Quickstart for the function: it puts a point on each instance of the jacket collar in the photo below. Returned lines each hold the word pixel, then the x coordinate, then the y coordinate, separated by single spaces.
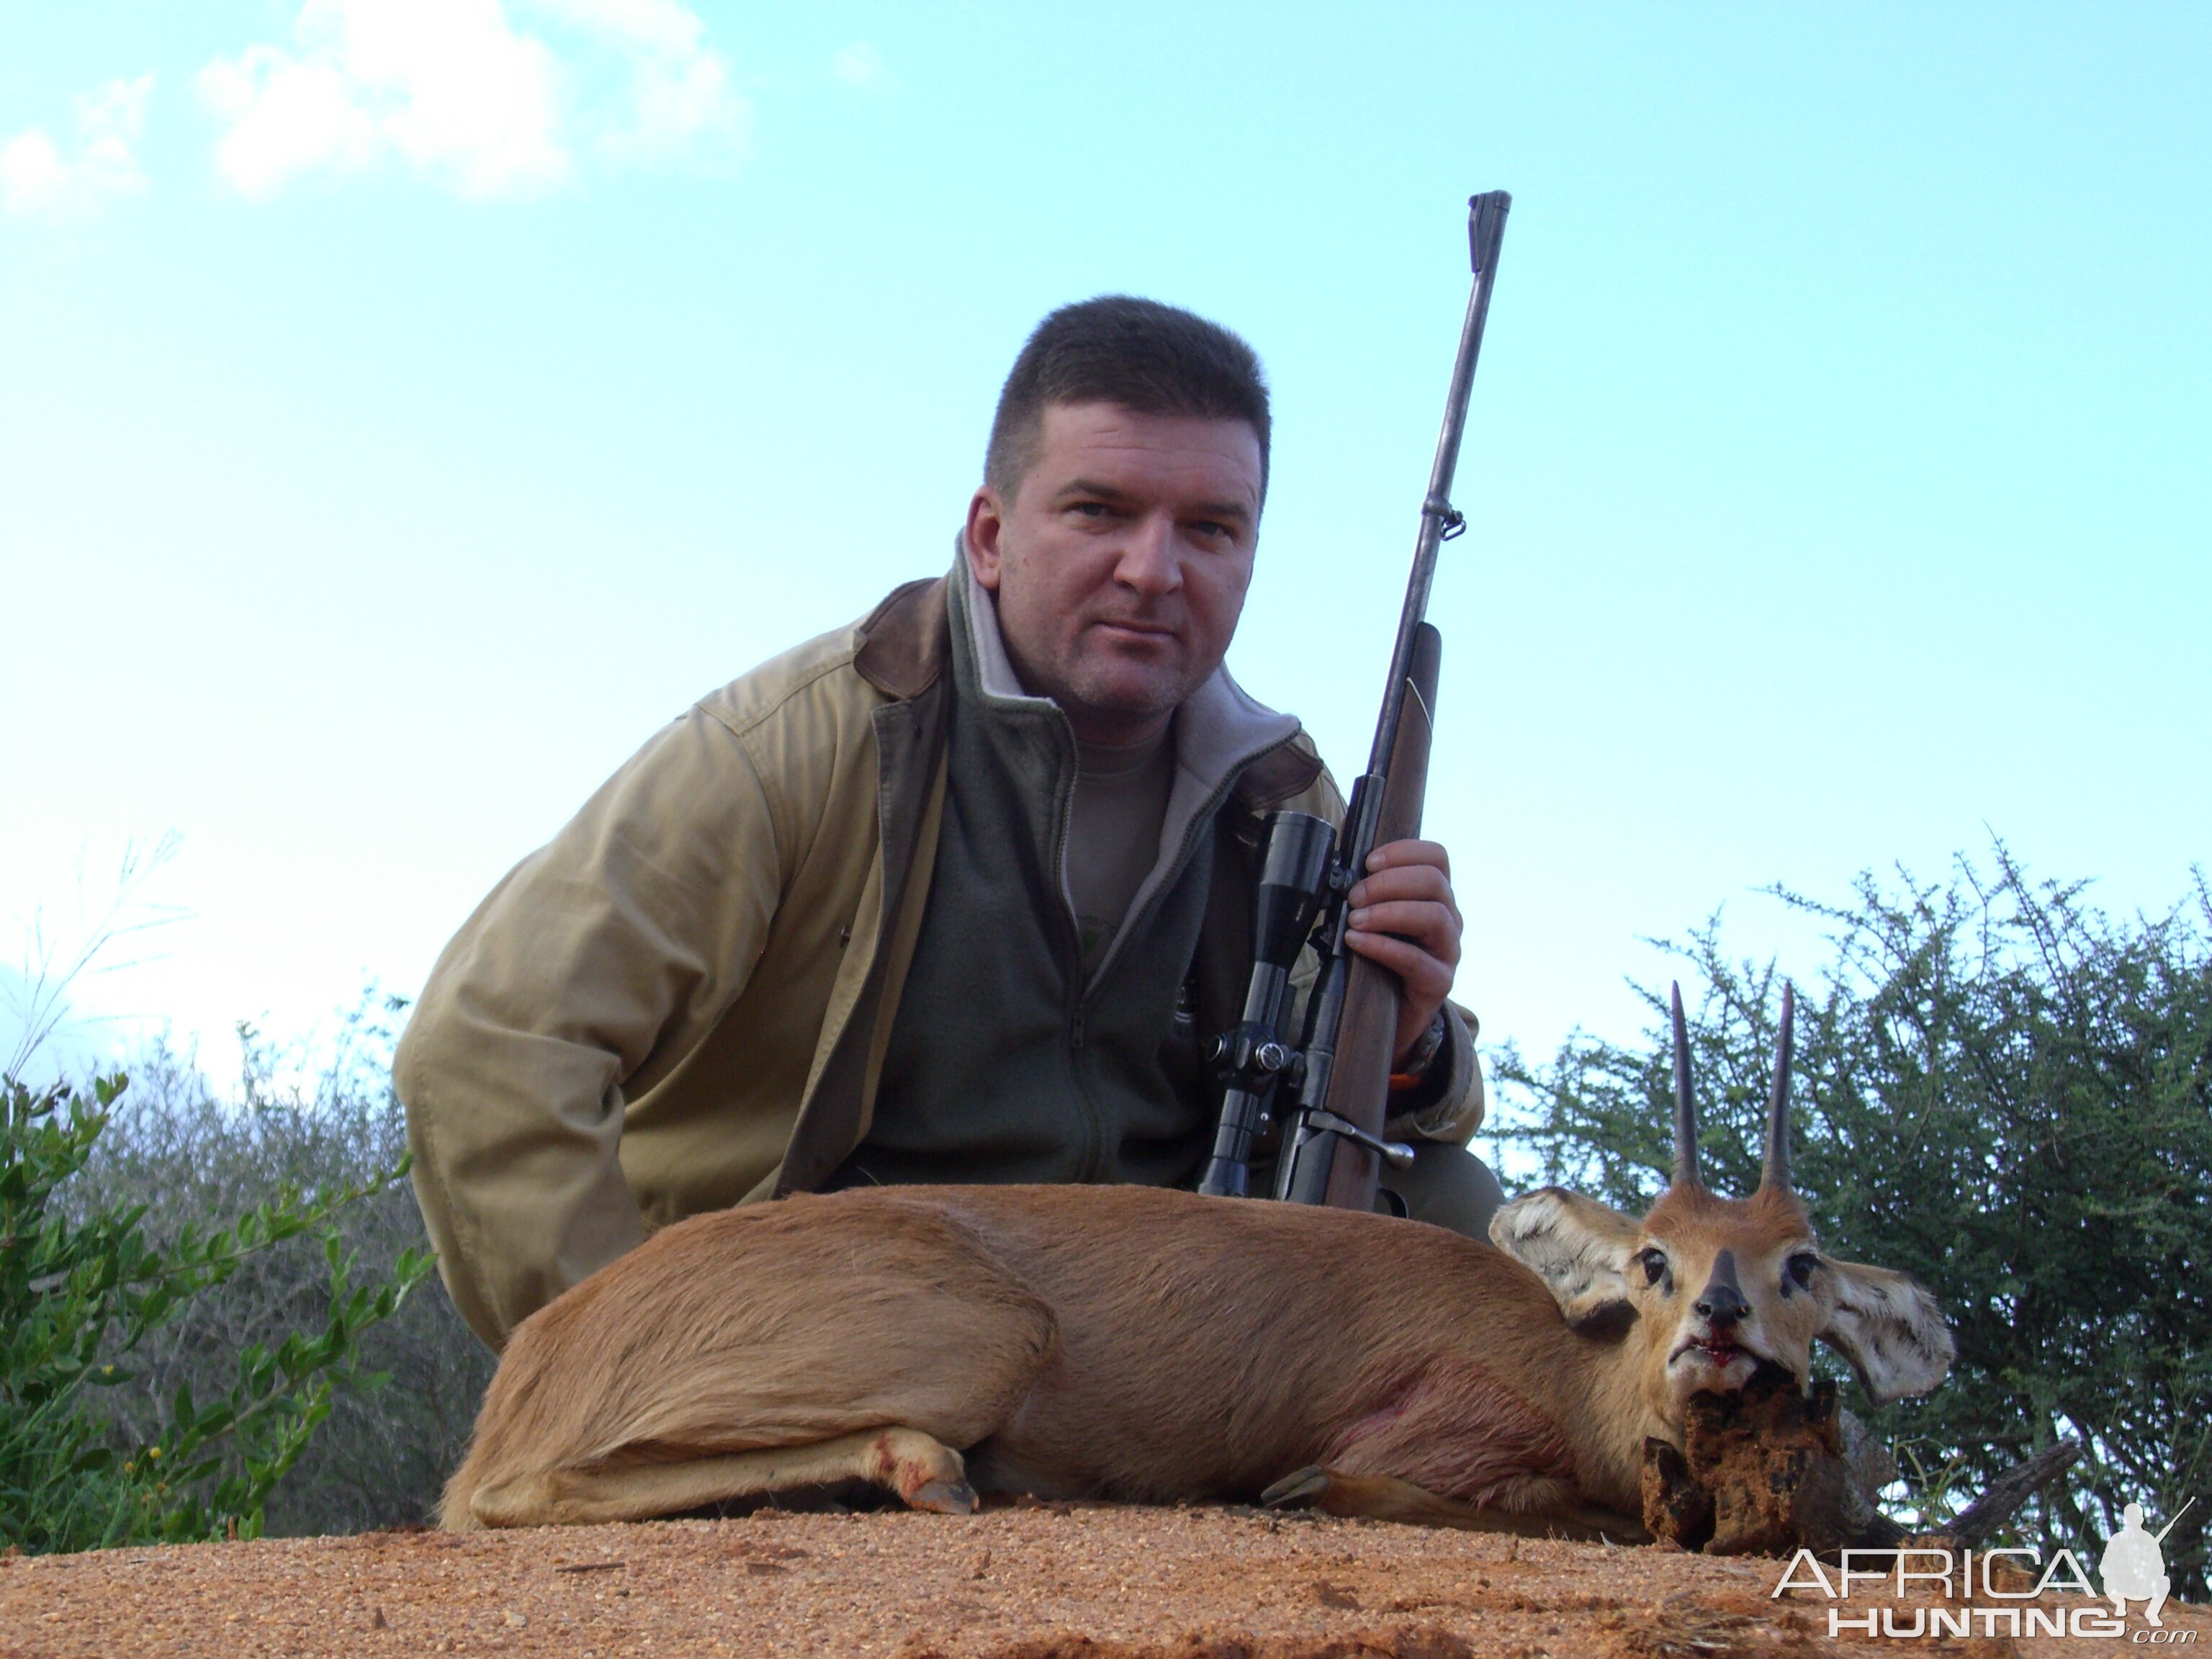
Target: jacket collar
pixel 904 640
pixel 1278 774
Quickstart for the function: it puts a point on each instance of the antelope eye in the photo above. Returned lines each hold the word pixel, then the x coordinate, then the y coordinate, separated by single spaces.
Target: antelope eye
pixel 1654 1263
pixel 1802 1267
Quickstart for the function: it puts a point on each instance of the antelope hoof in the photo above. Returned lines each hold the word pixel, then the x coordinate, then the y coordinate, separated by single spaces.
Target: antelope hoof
pixel 950 1497
pixel 1307 1485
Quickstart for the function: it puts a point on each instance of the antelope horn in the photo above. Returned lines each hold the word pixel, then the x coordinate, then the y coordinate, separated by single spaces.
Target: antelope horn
pixel 1686 1108
pixel 1775 1171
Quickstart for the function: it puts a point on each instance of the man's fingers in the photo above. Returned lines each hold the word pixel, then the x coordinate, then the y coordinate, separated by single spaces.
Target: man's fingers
pixel 1410 881
pixel 1397 854
pixel 1435 928
pixel 1427 979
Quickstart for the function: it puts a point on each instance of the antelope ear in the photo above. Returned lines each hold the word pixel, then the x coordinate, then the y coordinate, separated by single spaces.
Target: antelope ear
pixel 1890 1329
pixel 1579 1248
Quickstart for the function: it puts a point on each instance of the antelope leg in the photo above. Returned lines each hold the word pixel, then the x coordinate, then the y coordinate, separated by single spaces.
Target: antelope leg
pixel 925 1473
pixel 1386 1497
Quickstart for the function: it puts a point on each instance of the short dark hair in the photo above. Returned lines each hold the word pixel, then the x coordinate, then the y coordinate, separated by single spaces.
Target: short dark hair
pixel 1146 357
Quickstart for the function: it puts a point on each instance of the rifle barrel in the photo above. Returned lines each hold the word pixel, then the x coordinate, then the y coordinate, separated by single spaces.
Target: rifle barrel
pixel 1486 231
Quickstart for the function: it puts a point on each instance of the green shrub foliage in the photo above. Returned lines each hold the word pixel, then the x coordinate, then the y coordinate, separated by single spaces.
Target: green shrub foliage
pixel 186 1149
pixel 2006 1094
pixel 83 1289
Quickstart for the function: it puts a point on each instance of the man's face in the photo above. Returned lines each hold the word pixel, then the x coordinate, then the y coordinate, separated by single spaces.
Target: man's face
pixel 1120 565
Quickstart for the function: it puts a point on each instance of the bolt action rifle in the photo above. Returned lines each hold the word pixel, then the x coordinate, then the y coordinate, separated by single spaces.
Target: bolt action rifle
pixel 1337 1076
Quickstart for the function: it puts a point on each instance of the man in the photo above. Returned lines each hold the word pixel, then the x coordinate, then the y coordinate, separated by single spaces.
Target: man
pixel 2134 1568
pixel 953 894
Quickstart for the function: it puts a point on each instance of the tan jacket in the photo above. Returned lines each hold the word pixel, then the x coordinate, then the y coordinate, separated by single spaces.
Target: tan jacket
pixel 682 1002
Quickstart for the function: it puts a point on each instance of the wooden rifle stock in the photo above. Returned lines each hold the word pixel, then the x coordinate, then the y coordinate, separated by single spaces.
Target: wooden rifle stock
pixel 1359 1086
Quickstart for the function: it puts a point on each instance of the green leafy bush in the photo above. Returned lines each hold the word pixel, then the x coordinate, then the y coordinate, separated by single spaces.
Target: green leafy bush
pixel 2005 1094
pixel 302 1114
pixel 84 1289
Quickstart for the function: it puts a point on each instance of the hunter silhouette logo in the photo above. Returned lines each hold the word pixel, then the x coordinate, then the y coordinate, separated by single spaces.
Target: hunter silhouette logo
pixel 2134 1567
pixel 1975 1594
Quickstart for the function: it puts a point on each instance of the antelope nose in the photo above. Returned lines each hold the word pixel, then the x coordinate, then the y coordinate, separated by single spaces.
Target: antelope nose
pixel 1722 1304
pixel 1721 1300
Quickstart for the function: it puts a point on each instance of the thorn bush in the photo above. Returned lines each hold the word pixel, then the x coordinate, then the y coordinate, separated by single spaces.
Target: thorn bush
pixel 2004 1093
pixel 83 1291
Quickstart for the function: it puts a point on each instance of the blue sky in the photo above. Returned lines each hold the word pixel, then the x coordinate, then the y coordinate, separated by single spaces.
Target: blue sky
pixel 406 408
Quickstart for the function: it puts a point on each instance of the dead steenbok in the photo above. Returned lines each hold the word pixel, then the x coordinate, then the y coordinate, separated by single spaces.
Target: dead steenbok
pixel 1137 1343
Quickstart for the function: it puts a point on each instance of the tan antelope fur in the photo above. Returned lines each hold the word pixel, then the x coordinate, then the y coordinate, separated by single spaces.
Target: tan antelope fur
pixel 1152 1345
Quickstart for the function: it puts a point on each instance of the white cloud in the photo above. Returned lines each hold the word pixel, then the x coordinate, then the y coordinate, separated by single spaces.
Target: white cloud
pixel 858 65
pixel 446 86
pixel 678 97
pixel 35 177
pixel 666 26
pixel 460 94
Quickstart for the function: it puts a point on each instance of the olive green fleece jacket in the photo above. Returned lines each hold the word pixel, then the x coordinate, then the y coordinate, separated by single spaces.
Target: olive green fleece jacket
pixel 683 1002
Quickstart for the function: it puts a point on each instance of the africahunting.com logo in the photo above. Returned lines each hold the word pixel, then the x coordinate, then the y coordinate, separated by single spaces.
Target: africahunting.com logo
pixel 1980 1590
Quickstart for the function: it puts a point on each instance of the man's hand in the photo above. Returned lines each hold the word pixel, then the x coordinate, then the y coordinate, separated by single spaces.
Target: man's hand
pixel 1404 918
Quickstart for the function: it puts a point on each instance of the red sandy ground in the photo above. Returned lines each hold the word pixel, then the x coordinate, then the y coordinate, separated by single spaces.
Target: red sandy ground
pixel 1091 1582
